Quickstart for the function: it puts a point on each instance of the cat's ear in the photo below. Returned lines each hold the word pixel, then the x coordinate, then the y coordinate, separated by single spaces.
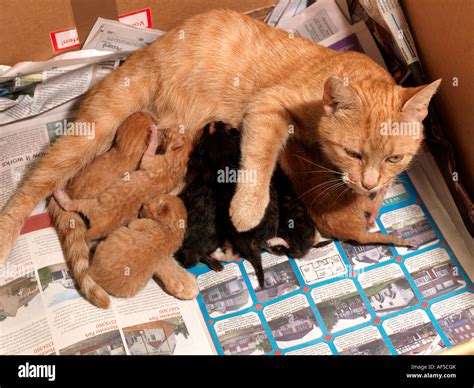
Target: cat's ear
pixel 418 100
pixel 338 96
pixel 178 143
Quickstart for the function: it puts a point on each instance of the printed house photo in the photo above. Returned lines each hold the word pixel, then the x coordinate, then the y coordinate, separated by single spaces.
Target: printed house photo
pixel 458 327
pixel 109 343
pixel 16 295
pixel 377 347
pixel 155 338
pixel 418 230
pixel 438 280
pixel 422 339
pixel 365 255
pixel 58 284
pixel 322 268
pixel 343 312
pixel 227 297
pixel 280 279
pixel 296 328
pixel 390 297
pixel 251 340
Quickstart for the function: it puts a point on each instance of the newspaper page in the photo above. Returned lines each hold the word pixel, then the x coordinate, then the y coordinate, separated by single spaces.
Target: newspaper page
pixel 41 309
pixel 111 35
pixel 31 88
pixel 317 22
pixel 325 24
pixel 286 9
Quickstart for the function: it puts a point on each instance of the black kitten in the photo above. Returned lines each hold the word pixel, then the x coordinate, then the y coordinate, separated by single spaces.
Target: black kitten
pixel 225 152
pixel 295 224
pixel 199 197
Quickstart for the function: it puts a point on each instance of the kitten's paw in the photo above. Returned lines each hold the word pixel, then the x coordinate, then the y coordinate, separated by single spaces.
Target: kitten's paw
pixel 277 241
pixel 248 208
pixel 9 230
pixel 180 283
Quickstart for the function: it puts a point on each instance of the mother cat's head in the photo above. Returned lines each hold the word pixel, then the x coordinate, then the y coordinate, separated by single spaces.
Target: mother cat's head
pixel 371 130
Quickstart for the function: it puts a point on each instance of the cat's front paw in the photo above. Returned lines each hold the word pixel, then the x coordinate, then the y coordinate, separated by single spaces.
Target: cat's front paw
pixel 9 229
pixel 180 283
pixel 248 208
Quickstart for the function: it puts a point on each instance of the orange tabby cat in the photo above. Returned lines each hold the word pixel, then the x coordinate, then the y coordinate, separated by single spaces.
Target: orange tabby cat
pixel 127 259
pixel 338 211
pixel 225 66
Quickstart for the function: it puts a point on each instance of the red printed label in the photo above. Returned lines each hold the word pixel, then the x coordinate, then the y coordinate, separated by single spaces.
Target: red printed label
pixel 64 39
pixel 139 19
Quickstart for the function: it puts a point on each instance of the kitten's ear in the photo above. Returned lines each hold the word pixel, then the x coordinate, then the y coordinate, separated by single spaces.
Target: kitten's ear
pixel 339 96
pixel 178 143
pixel 418 99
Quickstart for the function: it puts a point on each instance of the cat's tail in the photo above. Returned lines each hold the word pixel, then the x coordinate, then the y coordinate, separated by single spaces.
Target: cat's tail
pixel 379 238
pixel 125 91
pixel 71 229
pixel 256 262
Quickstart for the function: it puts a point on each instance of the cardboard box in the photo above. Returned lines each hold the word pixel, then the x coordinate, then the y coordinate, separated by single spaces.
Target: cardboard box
pixel 444 34
pixel 32 30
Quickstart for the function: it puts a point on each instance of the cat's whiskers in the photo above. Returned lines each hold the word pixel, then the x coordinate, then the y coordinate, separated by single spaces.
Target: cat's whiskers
pixel 321 196
pixel 318 165
pixel 329 182
pixel 327 190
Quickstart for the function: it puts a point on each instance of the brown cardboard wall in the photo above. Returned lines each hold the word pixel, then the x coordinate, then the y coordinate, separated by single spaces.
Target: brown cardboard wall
pixel 444 34
pixel 25 27
pixel 168 13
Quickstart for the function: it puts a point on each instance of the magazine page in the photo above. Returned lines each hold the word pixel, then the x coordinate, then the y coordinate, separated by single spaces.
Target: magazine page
pixel 348 299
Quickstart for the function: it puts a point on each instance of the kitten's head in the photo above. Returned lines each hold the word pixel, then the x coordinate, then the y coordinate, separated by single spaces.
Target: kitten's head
pixel 167 209
pixel 370 131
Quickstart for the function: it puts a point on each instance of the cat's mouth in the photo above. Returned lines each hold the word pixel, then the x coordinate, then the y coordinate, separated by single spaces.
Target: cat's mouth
pixel 357 187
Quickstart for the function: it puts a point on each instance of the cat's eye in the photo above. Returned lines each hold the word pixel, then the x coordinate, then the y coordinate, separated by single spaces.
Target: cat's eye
pixel 394 158
pixel 353 154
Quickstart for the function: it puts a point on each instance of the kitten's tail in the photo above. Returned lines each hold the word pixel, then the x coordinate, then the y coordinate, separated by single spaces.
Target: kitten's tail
pixel 379 238
pixel 71 229
pixel 256 262
pixel 125 91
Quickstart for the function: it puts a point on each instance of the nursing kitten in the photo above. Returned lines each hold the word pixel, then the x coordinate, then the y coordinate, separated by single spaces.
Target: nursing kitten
pixel 120 202
pixel 199 197
pixel 128 258
pixel 224 149
pixel 295 227
pixel 338 211
pixel 123 157
pixel 278 85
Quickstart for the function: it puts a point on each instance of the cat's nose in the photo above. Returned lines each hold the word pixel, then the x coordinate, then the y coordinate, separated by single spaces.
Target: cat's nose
pixel 369 185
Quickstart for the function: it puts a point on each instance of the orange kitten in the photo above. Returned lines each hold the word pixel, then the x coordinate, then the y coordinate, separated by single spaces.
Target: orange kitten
pixel 191 76
pixel 338 211
pixel 127 259
pixel 123 157
pixel 120 203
